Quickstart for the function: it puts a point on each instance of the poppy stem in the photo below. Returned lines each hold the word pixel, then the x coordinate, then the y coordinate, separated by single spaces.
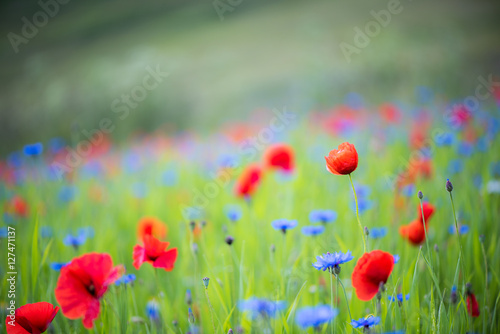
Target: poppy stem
pixel 462 262
pixel 425 232
pixel 357 214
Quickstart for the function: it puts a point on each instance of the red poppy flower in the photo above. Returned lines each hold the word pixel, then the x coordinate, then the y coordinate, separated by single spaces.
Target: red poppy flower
pixel 249 180
pixel 82 284
pixel 472 305
pixel 342 161
pixel 151 226
pixel 279 156
pixel 414 232
pixel 154 252
pixel 372 269
pixel 428 211
pixel 19 206
pixel 390 112
pixel 31 318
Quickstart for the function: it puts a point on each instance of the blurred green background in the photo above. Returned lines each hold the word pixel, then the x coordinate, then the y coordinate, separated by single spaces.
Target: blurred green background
pixel 261 54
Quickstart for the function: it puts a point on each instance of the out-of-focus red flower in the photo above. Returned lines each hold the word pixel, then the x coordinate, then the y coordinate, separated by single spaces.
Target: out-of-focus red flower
pixel 249 180
pixel 372 269
pixel 472 305
pixel 154 252
pixel 31 318
pixel 418 136
pixel 342 161
pixel 279 156
pixel 19 206
pixel 151 226
pixel 414 232
pixel 390 113
pixel 82 284
pixel 460 115
pixel 428 211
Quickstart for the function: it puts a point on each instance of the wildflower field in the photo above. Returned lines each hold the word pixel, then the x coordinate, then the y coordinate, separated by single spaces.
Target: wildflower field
pixel 341 220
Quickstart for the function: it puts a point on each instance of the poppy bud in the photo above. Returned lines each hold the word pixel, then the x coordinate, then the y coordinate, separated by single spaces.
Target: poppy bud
pixel 420 195
pixel 229 240
pixel 449 186
pixel 367 231
pixel 175 323
pixel 189 298
pixel 192 225
pixel 381 287
pixel 468 288
pixel 481 238
pixel 206 280
pixel 436 248
pixel 194 247
pixel 230 331
pixel 203 223
pixel 273 248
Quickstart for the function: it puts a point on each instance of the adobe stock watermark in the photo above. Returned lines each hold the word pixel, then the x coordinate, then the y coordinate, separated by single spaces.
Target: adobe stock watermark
pixel 95 137
pixel 30 28
pixel 363 37
pixel 483 91
pixel 247 150
pixel 222 6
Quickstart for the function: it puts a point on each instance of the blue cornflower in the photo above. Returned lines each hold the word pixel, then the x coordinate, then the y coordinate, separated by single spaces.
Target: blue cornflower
pixel 362 191
pixel 322 216
pixel 67 193
pixel 399 297
pixel 378 232
pixel 332 261
pixel 46 231
pixel 315 316
pixel 408 190
pixel 482 144
pixel 4 232
pixel 284 224
pixel 15 159
pixel 153 310
pixel 365 322
pixel 261 307
pixel 313 230
pixel 56 144
pixel 363 205
pixel 58 265
pixel 396 258
pixel 227 161
pixel 125 279
pixel 80 238
pixel 445 139
pixel 233 212
pixel 456 166
pixel 33 149
pixel 465 149
pixel 462 228
pixel 478 181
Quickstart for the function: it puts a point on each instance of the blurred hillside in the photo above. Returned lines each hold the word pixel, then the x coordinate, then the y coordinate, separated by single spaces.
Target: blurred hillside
pixel 69 75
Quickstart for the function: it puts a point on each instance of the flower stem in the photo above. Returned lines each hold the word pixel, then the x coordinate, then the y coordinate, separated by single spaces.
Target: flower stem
pixel 211 309
pixel 345 295
pixel 425 231
pixel 462 262
pixel 331 297
pixel 357 214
